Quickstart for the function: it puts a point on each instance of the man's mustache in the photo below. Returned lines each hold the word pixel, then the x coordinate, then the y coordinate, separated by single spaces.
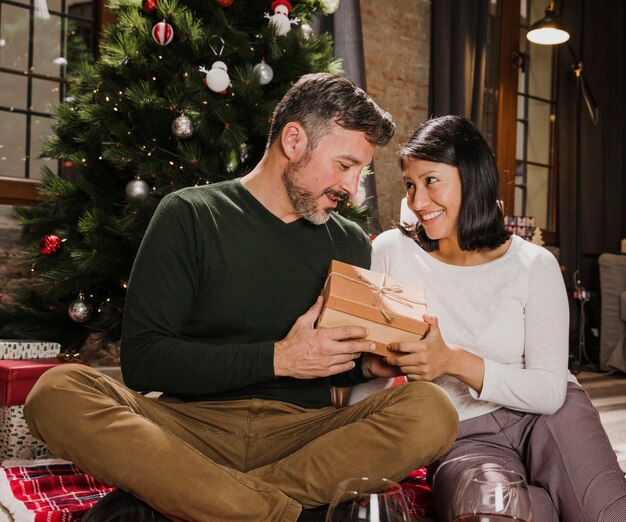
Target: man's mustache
pixel 337 194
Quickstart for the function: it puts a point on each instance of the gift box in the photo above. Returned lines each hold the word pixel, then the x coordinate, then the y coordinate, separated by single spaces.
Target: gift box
pixel 391 309
pixel 16 442
pixel 17 377
pixel 18 349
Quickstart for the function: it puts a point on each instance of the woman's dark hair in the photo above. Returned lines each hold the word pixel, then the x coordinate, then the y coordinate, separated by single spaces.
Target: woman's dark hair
pixel 456 141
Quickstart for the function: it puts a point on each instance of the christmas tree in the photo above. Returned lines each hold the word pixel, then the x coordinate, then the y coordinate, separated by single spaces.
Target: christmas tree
pixel 181 95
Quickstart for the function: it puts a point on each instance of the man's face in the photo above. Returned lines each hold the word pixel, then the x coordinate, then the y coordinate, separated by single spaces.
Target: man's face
pixel 327 174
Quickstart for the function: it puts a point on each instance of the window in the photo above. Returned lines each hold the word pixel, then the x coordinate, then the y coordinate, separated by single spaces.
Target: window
pixel 36 56
pixel 526 130
pixel 535 175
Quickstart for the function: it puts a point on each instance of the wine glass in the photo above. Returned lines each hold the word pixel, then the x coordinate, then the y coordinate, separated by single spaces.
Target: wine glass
pixel 490 493
pixel 368 500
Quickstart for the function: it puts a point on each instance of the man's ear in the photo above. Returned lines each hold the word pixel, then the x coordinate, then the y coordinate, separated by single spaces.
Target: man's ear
pixel 294 141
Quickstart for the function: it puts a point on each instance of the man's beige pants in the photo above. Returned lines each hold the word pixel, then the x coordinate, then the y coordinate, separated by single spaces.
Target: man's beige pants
pixel 245 460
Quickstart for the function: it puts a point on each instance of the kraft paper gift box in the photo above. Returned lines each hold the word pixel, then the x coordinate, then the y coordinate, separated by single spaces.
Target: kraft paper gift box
pixel 391 309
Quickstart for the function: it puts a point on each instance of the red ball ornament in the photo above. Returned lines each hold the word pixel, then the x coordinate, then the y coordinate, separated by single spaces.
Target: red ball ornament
pixel 149 6
pixel 224 3
pixel 162 33
pixel 50 245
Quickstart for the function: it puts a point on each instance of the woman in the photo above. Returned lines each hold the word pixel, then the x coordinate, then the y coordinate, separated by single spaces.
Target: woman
pixel 498 339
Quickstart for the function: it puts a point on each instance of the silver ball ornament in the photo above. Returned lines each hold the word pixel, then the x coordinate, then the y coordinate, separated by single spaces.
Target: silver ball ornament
pixel 79 310
pixel 137 190
pixel 265 73
pixel 182 127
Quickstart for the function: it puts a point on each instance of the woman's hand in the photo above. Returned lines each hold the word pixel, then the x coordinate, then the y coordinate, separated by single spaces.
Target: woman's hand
pixel 431 357
pixel 374 365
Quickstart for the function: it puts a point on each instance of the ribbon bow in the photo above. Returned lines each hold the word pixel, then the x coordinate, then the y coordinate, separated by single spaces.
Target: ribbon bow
pixel 382 290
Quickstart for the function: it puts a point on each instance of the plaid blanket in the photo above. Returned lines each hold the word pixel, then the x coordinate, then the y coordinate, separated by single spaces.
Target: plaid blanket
pixel 55 490
pixel 47 490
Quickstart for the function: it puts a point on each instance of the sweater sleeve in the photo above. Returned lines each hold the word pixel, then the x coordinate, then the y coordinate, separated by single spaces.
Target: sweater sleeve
pixel 541 385
pixel 156 354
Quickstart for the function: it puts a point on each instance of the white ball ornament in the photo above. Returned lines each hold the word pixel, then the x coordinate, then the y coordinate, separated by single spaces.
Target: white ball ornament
pixel 162 33
pixel 217 78
pixel 137 190
pixel 265 72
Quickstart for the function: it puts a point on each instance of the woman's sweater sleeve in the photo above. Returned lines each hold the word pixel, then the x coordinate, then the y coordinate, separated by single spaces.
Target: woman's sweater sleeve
pixel 541 385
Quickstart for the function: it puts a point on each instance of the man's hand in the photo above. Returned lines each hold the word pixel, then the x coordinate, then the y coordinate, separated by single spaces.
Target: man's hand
pixel 307 352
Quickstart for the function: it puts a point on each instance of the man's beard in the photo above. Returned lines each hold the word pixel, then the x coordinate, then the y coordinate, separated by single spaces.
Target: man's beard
pixel 304 202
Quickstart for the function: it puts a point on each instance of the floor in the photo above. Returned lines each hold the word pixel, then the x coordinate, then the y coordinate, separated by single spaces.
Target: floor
pixel 608 394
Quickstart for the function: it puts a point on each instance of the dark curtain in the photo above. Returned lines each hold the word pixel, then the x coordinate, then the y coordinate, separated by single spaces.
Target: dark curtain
pixel 597 38
pixel 345 27
pixel 458 58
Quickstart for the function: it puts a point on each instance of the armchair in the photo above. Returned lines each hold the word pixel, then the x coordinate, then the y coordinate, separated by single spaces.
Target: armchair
pixel 613 312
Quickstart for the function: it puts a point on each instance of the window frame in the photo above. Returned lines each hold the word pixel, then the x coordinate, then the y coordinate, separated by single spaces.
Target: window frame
pixel 510 55
pixel 23 191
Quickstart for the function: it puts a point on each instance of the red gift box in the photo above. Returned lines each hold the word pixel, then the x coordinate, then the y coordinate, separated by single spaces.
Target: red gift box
pixel 18 376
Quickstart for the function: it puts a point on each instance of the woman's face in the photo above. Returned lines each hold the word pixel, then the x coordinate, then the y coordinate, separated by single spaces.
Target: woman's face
pixel 433 193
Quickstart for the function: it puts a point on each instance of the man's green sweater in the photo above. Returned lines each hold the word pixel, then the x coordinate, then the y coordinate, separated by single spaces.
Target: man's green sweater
pixel 218 279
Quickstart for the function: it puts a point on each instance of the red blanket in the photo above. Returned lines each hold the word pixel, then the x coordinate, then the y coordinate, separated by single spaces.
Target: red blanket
pixel 47 490
pixel 57 491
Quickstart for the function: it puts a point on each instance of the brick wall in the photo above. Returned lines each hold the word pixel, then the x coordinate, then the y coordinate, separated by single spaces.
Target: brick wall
pixel 396 38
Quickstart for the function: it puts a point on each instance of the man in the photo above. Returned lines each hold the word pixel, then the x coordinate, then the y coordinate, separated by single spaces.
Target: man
pixel 220 317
